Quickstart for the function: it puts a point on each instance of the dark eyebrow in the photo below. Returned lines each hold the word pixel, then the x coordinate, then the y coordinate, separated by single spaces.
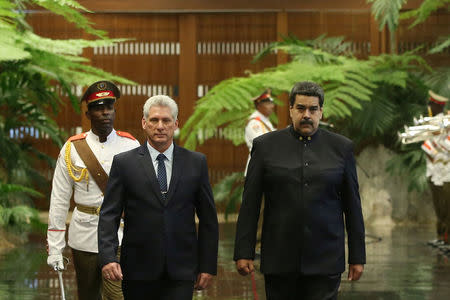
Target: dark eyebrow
pixel 304 106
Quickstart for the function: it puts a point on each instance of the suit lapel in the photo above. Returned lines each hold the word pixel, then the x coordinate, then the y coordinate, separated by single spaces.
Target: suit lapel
pixel 177 166
pixel 146 162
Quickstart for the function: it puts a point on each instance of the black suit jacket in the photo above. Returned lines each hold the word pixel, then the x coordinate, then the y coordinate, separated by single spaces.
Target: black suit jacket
pixel 308 186
pixel 159 238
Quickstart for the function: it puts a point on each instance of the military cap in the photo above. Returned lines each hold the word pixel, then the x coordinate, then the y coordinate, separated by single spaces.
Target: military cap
pixel 101 92
pixel 438 99
pixel 264 97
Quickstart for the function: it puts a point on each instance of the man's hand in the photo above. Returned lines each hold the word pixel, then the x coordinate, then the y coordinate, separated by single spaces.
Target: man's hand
pixel 203 281
pixel 355 272
pixel 56 262
pixel 245 266
pixel 112 271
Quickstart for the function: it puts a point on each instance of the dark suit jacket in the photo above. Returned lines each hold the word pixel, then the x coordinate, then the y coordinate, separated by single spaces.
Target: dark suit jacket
pixel 159 238
pixel 308 186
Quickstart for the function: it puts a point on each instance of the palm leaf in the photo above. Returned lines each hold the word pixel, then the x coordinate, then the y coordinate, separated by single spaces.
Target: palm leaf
pixel 386 12
pixel 347 82
pixel 424 11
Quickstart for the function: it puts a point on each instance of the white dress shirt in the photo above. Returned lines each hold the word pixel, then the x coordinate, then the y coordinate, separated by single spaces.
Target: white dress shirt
pixel 168 162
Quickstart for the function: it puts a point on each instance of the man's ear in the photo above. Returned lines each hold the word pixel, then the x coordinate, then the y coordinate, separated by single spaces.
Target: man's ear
pixel 87 114
pixel 144 123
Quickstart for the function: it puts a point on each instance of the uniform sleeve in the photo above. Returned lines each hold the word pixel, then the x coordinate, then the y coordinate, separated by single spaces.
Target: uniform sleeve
pixel 208 229
pixel 251 204
pixel 62 189
pixel 353 213
pixel 253 129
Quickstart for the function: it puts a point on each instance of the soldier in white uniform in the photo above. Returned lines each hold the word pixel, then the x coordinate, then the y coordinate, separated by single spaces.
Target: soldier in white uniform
pixel 258 122
pixel 81 170
pixel 438 171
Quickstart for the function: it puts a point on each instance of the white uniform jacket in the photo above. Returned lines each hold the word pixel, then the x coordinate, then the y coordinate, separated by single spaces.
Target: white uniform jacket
pixel 83 226
pixel 257 125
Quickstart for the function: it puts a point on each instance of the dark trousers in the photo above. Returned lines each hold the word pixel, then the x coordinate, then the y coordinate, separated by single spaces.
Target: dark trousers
pixel 88 273
pixel 441 203
pixel 295 286
pixel 161 289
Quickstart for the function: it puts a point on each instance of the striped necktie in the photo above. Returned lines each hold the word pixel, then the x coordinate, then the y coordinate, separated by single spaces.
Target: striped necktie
pixel 162 176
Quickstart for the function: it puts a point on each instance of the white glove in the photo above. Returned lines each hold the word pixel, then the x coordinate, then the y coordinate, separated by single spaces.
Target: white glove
pixel 55 261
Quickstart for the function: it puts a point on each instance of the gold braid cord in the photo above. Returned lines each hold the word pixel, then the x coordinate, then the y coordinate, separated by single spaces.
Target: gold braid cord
pixel 84 171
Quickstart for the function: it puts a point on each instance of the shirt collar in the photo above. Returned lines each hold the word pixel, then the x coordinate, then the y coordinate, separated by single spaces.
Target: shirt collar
pixel 298 136
pixel 154 153
pixel 95 137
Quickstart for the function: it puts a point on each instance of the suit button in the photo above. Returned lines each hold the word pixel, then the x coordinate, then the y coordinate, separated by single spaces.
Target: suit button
pixel 306 184
pixel 306 164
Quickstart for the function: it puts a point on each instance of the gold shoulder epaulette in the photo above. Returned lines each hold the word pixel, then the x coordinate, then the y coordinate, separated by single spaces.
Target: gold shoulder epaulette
pixel 125 134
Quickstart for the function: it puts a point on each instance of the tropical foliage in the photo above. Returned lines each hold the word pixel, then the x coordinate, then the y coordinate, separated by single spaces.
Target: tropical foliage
pixel 348 83
pixel 30 68
pixel 386 12
pixel 228 192
pixel 422 13
pixel 369 100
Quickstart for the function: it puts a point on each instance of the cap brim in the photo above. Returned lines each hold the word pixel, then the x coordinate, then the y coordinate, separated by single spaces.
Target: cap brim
pixel 102 101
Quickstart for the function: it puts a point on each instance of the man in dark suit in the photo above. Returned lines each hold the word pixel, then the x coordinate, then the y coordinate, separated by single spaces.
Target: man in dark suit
pixel 308 178
pixel 159 187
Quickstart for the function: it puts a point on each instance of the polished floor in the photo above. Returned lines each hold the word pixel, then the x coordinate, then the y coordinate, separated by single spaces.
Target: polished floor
pixel 399 266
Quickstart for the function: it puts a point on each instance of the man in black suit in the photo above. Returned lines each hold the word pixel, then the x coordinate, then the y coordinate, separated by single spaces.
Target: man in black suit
pixel 159 187
pixel 308 178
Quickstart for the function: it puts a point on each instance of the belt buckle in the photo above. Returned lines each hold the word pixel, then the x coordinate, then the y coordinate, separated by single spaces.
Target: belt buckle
pixel 97 210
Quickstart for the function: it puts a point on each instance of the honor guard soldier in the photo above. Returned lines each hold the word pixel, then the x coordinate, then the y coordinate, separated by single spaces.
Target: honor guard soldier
pixel 82 169
pixel 258 122
pixel 438 172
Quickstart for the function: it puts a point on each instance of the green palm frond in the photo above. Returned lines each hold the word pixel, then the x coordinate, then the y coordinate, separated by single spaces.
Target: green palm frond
pixel 8 189
pixel 439 81
pixel 66 47
pixel 424 11
pixel 58 59
pixel 69 69
pixel 295 47
pixel 386 12
pixel 228 192
pixel 347 81
pixel 69 9
pixel 19 218
pixel 376 116
pixel 410 162
pixel 443 42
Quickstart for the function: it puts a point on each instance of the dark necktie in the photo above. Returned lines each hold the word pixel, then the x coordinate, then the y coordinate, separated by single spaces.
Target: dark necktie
pixel 162 176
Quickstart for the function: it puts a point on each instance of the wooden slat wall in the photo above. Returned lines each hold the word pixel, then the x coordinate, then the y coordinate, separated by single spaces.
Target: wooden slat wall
pixel 151 59
pixel 185 54
pixel 226 45
pixel 425 35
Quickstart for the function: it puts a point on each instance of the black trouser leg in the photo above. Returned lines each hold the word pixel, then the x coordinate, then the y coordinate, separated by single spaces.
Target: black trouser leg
pixel 294 286
pixel 162 289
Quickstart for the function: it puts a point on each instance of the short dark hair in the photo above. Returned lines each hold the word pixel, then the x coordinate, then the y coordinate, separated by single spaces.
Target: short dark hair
pixel 306 88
